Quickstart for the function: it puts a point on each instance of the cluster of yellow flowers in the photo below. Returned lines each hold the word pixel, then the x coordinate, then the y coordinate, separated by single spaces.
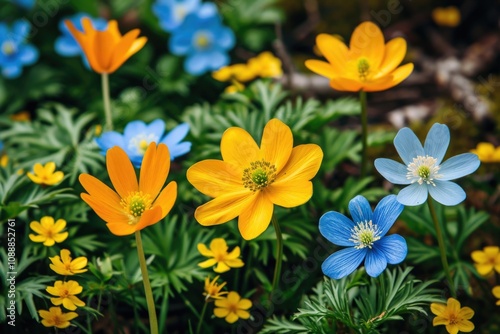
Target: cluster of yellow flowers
pixel 265 65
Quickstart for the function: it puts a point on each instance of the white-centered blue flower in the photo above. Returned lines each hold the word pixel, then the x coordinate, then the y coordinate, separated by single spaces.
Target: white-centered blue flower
pixel 15 53
pixel 171 13
pixel 365 237
pixel 137 136
pixel 423 170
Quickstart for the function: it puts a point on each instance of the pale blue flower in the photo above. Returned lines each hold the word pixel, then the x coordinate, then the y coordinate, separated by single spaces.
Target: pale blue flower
pixel 14 51
pixel 137 136
pixel 365 237
pixel 423 170
pixel 171 13
pixel 26 4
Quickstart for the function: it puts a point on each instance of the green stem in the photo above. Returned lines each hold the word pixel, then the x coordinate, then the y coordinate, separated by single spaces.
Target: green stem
pixel 279 253
pixel 201 317
pixel 106 100
pixel 442 249
pixel 364 132
pixel 153 322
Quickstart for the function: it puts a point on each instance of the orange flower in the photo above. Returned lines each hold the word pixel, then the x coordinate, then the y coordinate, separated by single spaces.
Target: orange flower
pixel 134 205
pixel 106 50
pixel 369 64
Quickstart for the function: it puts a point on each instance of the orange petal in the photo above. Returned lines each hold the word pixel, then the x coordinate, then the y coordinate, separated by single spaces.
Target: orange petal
pixel 149 217
pixel 320 67
pixel 136 46
pixel 89 45
pixel 167 198
pixel 345 85
pixel 398 75
pixel 288 194
pixel 103 48
pixel 238 148
pixel 277 143
pixel 367 41
pixel 223 208
pixel 395 51
pixel 255 218
pixel 154 169
pixel 120 50
pixel 121 172
pixel 215 177
pixel 100 191
pixel 334 50
pixel 112 29
pixel 106 212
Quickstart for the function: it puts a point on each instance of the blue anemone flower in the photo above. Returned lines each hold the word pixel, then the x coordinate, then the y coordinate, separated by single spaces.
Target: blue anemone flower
pixel 203 39
pixel 14 52
pixel 423 170
pixel 137 136
pixel 171 13
pixel 66 45
pixel 26 4
pixel 364 236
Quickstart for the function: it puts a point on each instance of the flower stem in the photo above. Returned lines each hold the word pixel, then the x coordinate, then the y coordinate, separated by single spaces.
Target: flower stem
pixel 106 100
pixel 442 249
pixel 201 317
pixel 279 253
pixel 153 322
pixel 364 132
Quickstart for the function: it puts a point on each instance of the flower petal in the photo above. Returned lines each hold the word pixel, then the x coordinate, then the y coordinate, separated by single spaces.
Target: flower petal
pixel 167 198
pixel 277 143
pixel 367 41
pixel 221 312
pixel 203 249
pixel 148 218
pixel 437 142
pixel 466 313
pixel 289 195
pixel 99 191
pixel 121 171
pixel 438 308
pixel 447 192
pixel 440 321
pixel 223 208
pixel 344 84
pixel 37 238
pixel 408 145
pixel 337 228
pixel 394 54
pixel 343 262
pixel 392 171
pixel 255 217
pixel 231 318
pixel 176 135
pixel 154 169
pixel 243 314
pixel 244 304
pixel 387 82
pixel 465 326
pixel 334 50
pixel 393 247
pixel 386 213
pixel 320 67
pixel 375 262
pixel 360 209
pixel 238 148
pixel 208 263
pixel 303 164
pixel 59 225
pixel 221 268
pixel 120 50
pixel 37 227
pixel 458 166
pixel 105 212
pixel 414 194
pixel 215 177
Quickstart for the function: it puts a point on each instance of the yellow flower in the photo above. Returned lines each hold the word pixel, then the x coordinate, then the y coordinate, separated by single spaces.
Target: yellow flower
pixel 446 16
pixel 232 307
pixel 55 318
pixel 48 232
pixel 452 316
pixel 368 65
pixel 496 293
pixel 212 289
pixel 98 130
pixel 219 255
pixel 65 292
pixel 234 88
pixel 486 152
pixel 64 265
pixel 45 175
pixel 236 72
pixel 266 65
pixel 135 205
pixel 21 116
pixel 4 160
pixel 487 260
pixel 249 181
pixel 106 50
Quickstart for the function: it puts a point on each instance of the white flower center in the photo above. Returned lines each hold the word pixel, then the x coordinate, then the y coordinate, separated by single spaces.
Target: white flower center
pixel 364 234
pixel 423 169
pixel 202 40
pixel 8 48
pixel 141 142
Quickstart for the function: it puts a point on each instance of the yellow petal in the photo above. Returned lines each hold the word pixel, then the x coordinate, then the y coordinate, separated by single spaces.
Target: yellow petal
pixel 59 225
pixel 167 198
pixel 452 329
pixel 37 227
pixel 322 68
pixel 334 50
pixel 221 267
pixel 154 169
pixel 68 304
pixel 37 238
pixel 398 75
pixel 244 304
pixel 440 321
pixel 367 41
pixel 60 237
pixel 496 291
pixel 99 191
pixel 453 305
pixel 121 172
pixel 49 242
pixel 466 313
pixel 136 46
pixel 207 263
pixel 235 253
pixel 303 164
pixel 288 194
pixel 277 143
pixel 223 208
pixel 215 177
pixel 221 312
pixel 47 222
pixel 465 326
pixel 218 245
pixel 50 167
pixel 484 269
pixel 79 263
pixel 204 250
pixel 38 169
pixel 231 318
pixel 234 263
pixel 55 178
pixel 438 308
pixel 256 216
pixel 243 314
pixel 395 51
pixel 238 148
pixel 479 256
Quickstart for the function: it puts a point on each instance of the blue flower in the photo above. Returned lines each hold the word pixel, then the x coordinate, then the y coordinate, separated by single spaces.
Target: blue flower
pixel 423 170
pixel 66 45
pixel 137 136
pixel 364 236
pixel 14 52
pixel 171 13
pixel 26 4
pixel 203 39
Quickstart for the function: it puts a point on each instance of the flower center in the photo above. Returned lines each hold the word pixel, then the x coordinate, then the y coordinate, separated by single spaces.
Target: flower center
pixel 135 204
pixel 423 169
pixel 364 234
pixel 8 48
pixel 363 69
pixel 180 12
pixel 58 321
pixel 453 319
pixel 141 142
pixel 202 40
pixel 259 175
pixel 233 308
pixel 65 293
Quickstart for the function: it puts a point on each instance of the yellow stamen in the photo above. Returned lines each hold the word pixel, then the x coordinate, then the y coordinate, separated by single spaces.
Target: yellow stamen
pixel 363 69
pixel 259 175
pixel 135 204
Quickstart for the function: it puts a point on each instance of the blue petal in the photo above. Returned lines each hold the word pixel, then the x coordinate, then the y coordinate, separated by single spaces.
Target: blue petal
pixel 28 54
pixel 67 47
pixel 447 192
pixel 414 194
pixel 375 262
pixel 393 171
pixel 386 213
pixel 176 135
pixel 133 129
pixel 207 10
pixel 20 30
pixel 197 64
pixel 343 262
pixel 110 139
pixel 393 247
pixel 181 41
pixel 458 166
pixel 157 127
pixel 225 38
pixel 217 60
pixel 408 145
pixel 177 150
pixel 336 228
pixel 437 142
pixel 360 209
pixel 12 71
